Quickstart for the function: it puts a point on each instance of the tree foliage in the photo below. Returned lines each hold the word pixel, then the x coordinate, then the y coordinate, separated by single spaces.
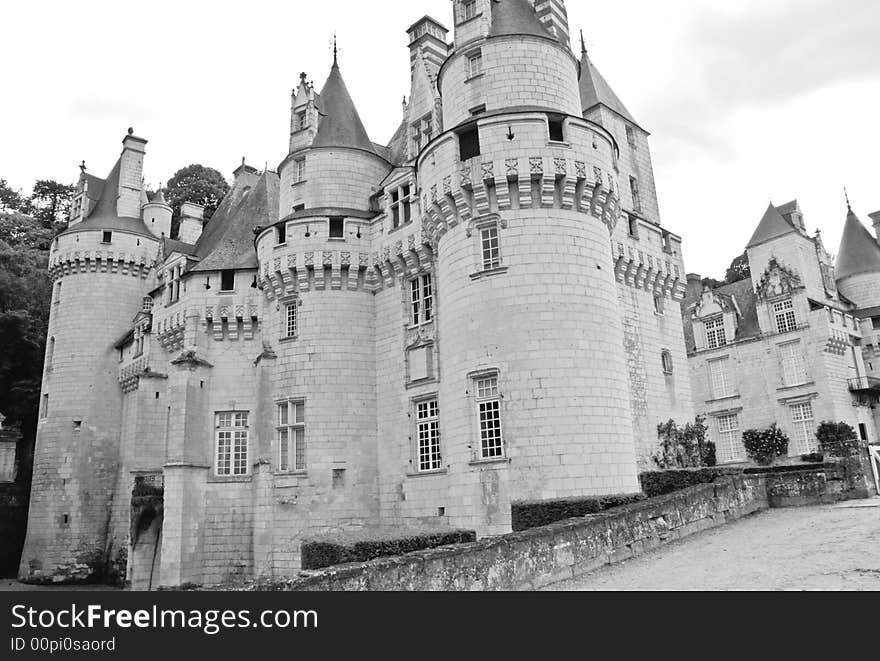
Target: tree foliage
pixel 739 269
pixel 764 445
pixel 50 201
pixel 10 200
pixel 198 184
pixel 837 439
pixel 684 447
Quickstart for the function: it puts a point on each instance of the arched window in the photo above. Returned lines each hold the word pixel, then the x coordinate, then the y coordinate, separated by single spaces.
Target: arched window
pixel 666 358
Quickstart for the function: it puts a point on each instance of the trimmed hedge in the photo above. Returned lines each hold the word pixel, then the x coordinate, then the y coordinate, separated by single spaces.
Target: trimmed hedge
pixel 326 552
pixel 785 468
pixel 533 514
pixel 660 483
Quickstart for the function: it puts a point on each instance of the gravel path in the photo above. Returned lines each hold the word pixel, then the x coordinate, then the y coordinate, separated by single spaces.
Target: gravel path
pixel 815 548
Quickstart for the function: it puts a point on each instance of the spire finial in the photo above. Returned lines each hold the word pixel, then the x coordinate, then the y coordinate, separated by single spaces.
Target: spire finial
pixel 846 195
pixel 82 166
pixel 583 44
pixel 335 51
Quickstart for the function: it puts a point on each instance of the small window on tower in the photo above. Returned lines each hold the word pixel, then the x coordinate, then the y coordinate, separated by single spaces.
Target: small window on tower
pixel 469 144
pixel 107 237
pixel 337 227
pixel 475 64
pixel 281 234
pixel 300 120
pixel 557 134
pixel 631 136
pixel 227 280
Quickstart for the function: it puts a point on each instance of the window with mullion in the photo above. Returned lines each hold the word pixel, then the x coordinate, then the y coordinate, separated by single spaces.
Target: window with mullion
pixel 421 300
pixel 489 410
pixel 786 320
pixel 428 433
pixel 290 319
pixel 490 248
pixel 232 443
pixel 291 435
pixel 715 334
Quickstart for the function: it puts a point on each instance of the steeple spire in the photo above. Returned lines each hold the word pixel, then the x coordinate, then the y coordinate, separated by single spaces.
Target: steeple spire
pixel 583 45
pixel 335 52
pixel 846 195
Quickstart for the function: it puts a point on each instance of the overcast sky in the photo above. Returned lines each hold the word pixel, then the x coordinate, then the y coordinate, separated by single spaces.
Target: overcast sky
pixel 747 101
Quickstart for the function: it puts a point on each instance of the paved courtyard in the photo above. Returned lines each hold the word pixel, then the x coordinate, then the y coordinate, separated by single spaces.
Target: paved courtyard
pixel 815 548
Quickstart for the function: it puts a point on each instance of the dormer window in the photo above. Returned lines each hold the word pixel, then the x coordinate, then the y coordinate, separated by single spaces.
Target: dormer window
pixel 300 121
pixel 422 131
pixel 716 336
pixel 468 10
pixel 401 206
pixel 299 174
pixel 475 64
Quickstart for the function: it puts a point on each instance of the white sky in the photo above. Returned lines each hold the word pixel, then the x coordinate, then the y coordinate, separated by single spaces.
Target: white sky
pixel 747 101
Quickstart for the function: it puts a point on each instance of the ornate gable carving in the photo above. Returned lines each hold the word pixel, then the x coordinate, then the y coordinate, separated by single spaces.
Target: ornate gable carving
pixel 777 280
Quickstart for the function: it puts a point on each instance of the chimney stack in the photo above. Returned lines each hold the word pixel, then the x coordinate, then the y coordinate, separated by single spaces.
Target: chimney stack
pixel 875 217
pixel 131 176
pixel 192 218
pixel 428 37
pixel 554 17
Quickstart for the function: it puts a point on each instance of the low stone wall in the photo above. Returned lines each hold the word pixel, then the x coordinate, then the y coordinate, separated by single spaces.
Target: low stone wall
pixel 541 556
pixel 830 483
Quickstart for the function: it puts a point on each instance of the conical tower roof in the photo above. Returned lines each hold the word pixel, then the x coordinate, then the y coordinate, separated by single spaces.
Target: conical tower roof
pixel 228 239
pixel 516 17
pixel 104 214
pixel 595 90
pixel 859 251
pixel 340 124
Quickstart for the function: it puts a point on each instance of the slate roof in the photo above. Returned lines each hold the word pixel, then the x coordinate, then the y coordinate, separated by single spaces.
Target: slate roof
pixel 516 17
pixel 595 91
pixel 104 214
pixel 228 239
pixel 397 145
pixel 340 125
pixel 772 225
pixel 859 251
pixel 746 301
pixel 173 245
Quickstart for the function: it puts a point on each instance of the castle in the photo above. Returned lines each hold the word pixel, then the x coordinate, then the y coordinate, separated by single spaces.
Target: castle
pixel 483 311
pixel 797 343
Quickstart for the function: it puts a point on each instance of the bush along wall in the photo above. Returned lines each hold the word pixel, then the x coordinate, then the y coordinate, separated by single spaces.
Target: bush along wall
pixel 534 514
pixel 660 483
pixel 326 552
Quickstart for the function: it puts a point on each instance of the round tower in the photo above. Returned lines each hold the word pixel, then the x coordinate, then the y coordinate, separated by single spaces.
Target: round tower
pixel 322 323
pixel 99 267
pixel 858 264
pixel 518 197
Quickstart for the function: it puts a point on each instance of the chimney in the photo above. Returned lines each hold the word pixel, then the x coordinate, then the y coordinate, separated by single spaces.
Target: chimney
pixel 131 176
pixel 875 217
pixel 192 218
pixel 428 37
pixel 554 17
pixel 245 176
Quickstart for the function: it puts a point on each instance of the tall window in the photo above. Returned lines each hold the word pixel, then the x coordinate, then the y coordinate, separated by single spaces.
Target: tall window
pixel 401 206
pixel 490 248
pixel 475 63
pixel 281 234
pixel 785 319
pixel 300 123
pixel 469 144
pixel 802 419
pixel 719 377
pixel 715 335
pixel 636 197
pixel 421 297
pixel 291 434
pixel 422 131
pixel 556 128
pixel 299 173
pixel 337 227
pixel 468 10
pixel 232 443
pixel 666 360
pixel 44 407
pixel 50 353
pixel 730 445
pixel 794 369
pixel 428 433
pixel 58 293
pixel 227 280
pixel 489 406
pixel 658 305
pixel 174 284
pixel 290 328
pixel 630 136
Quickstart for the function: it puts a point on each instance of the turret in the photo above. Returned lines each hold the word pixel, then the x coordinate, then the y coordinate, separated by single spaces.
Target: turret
pixel 875 218
pixel 427 38
pixel 858 263
pixel 157 216
pixel 131 176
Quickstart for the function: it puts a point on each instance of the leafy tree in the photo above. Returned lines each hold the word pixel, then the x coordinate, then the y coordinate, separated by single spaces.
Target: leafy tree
pixel 10 200
pixel 684 447
pixel 198 184
pixel 739 269
pixel 50 201
pixel 19 230
pixel 837 439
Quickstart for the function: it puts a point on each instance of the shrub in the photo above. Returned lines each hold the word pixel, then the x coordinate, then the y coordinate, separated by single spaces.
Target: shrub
pixel 325 552
pixel 685 447
pixel 837 439
pixel 533 514
pixel 764 445
pixel 660 483
pixel 814 458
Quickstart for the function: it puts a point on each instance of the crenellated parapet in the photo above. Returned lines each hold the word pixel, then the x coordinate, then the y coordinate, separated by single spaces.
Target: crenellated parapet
pixel 131 374
pixel 100 261
pixel 635 268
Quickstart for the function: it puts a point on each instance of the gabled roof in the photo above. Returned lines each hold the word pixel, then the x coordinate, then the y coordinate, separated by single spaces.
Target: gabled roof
pixel 516 17
pixel 772 226
pixel 228 239
pixel 859 252
pixel 595 91
pixel 340 124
